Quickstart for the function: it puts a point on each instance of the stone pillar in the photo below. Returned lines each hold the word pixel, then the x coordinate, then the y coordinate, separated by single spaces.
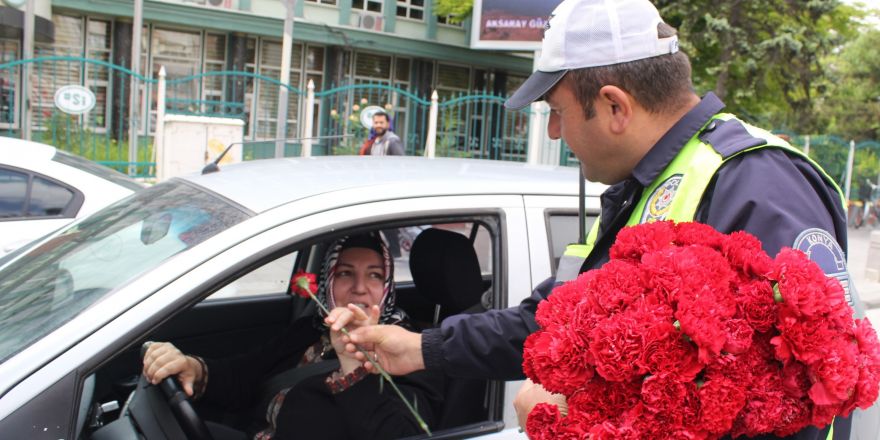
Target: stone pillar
pixel 120 81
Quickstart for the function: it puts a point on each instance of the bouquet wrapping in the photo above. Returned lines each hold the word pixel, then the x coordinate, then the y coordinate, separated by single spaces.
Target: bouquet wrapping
pixel 687 333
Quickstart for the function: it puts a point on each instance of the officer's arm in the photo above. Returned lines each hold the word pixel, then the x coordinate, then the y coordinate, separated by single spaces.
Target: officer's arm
pixel 484 345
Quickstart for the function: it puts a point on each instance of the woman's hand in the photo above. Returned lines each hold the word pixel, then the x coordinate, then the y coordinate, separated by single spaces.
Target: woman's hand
pixel 350 318
pixel 163 359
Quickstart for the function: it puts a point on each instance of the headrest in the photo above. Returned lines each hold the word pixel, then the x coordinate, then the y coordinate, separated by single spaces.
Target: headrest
pixel 445 270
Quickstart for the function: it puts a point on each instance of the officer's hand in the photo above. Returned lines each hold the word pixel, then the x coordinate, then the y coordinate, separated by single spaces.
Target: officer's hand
pixel 531 394
pixel 398 350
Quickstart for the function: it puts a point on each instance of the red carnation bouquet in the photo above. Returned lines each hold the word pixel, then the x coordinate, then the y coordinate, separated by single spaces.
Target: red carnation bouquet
pixel 687 333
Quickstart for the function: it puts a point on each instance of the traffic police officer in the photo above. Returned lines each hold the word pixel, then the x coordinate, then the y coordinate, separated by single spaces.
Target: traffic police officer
pixel 621 96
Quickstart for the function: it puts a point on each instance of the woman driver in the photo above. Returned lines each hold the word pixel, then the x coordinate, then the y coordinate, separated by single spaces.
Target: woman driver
pixel 357 286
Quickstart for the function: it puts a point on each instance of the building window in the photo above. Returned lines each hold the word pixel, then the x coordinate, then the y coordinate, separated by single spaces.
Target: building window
pixel 323 2
pixel 310 61
pixel 367 5
pixel 456 122
pixel 452 80
pixel 48 76
pixel 447 21
pixel 214 87
pixel 414 9
pixel 98 47
pixel 181 54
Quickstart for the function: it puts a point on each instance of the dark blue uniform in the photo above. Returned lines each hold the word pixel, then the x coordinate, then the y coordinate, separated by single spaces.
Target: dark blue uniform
pixel 780 198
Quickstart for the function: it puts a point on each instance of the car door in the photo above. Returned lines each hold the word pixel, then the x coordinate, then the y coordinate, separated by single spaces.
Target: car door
pixel 553 224
pixel 32 205
pixel 44 397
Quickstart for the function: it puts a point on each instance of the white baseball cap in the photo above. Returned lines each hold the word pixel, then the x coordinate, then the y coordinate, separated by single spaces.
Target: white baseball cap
pixel 591 33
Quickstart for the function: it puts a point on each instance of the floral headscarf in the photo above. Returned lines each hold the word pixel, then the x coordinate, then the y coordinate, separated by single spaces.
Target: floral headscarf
pixel 389 314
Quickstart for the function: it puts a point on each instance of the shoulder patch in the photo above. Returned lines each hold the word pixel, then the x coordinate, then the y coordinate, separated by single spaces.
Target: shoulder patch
pixel 823 249
pixel 660 201
pixel 730 137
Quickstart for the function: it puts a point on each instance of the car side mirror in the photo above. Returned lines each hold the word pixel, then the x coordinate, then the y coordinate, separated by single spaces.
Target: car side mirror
pixel 155 228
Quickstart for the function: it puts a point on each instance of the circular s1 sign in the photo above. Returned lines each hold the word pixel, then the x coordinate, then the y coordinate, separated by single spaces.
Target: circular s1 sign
pixel 74 99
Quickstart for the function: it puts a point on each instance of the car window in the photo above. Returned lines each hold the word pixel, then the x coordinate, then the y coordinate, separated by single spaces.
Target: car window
pixel 562 230
pixel 270 278
pixel 51 283
pixel 13 193
pixel 47 198
pixel 400 242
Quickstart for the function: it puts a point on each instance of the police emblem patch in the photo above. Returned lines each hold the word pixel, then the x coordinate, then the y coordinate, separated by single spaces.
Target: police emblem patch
pixel 824 250
pixel 660 201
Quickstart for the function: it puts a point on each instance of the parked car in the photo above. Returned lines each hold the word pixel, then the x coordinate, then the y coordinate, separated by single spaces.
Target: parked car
pixel 204 261
pixel 43 188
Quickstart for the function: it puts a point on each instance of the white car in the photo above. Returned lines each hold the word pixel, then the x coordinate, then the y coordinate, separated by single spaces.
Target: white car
pixel 43 189
pixel 204 261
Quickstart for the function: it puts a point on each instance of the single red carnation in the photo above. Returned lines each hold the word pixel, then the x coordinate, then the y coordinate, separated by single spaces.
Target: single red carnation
pixel 868 385
pixel 304 284
pixel 802 285
pixel 754 298
pixel 721 400
pixel 616 285
pixel 835 378
pixel 632 243
pixel 616 346
pixel 601 400
pixel 739 336
pixel 667 351
pixel 823 415
pixel 700 234
pixel 663 395
pixel 745 254
pixel 795 416
pixel 557 308
pixel 795 380
pixel 541 422
pixel 763 410
pixel 556 361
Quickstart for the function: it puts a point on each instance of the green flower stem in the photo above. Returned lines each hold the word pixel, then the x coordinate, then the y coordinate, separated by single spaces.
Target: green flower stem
pixel 777 295
pixel 382 371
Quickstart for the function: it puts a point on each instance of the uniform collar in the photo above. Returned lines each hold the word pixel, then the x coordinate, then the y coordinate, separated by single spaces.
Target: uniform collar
pixel 662 153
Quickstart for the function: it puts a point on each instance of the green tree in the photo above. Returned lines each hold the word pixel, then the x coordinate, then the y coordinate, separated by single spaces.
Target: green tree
pixel 763 57
pixel 457 10
pixel 852 105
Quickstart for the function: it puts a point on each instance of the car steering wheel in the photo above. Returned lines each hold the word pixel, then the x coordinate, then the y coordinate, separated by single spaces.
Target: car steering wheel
pixel 187 417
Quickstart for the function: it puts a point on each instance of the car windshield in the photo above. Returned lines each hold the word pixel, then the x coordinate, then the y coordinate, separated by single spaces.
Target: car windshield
pixel 50 284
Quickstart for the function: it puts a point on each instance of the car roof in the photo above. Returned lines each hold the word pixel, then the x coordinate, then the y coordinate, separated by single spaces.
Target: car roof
pixel 23 149
pixel 264 184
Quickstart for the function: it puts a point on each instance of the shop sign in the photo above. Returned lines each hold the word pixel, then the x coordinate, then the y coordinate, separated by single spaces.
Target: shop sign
pixel 74 99
pixel 510 24
pixel 233 5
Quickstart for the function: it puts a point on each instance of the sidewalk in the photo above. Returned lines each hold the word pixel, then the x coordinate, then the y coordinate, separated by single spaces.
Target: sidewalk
pixel 869 290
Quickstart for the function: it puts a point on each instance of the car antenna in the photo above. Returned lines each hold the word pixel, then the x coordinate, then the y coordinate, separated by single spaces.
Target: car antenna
pixel 214 166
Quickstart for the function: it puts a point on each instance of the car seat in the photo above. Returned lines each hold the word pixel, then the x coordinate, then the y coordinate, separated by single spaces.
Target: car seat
pixel 446 272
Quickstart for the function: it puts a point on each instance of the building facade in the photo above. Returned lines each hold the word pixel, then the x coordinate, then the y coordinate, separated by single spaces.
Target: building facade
pixel 337 43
